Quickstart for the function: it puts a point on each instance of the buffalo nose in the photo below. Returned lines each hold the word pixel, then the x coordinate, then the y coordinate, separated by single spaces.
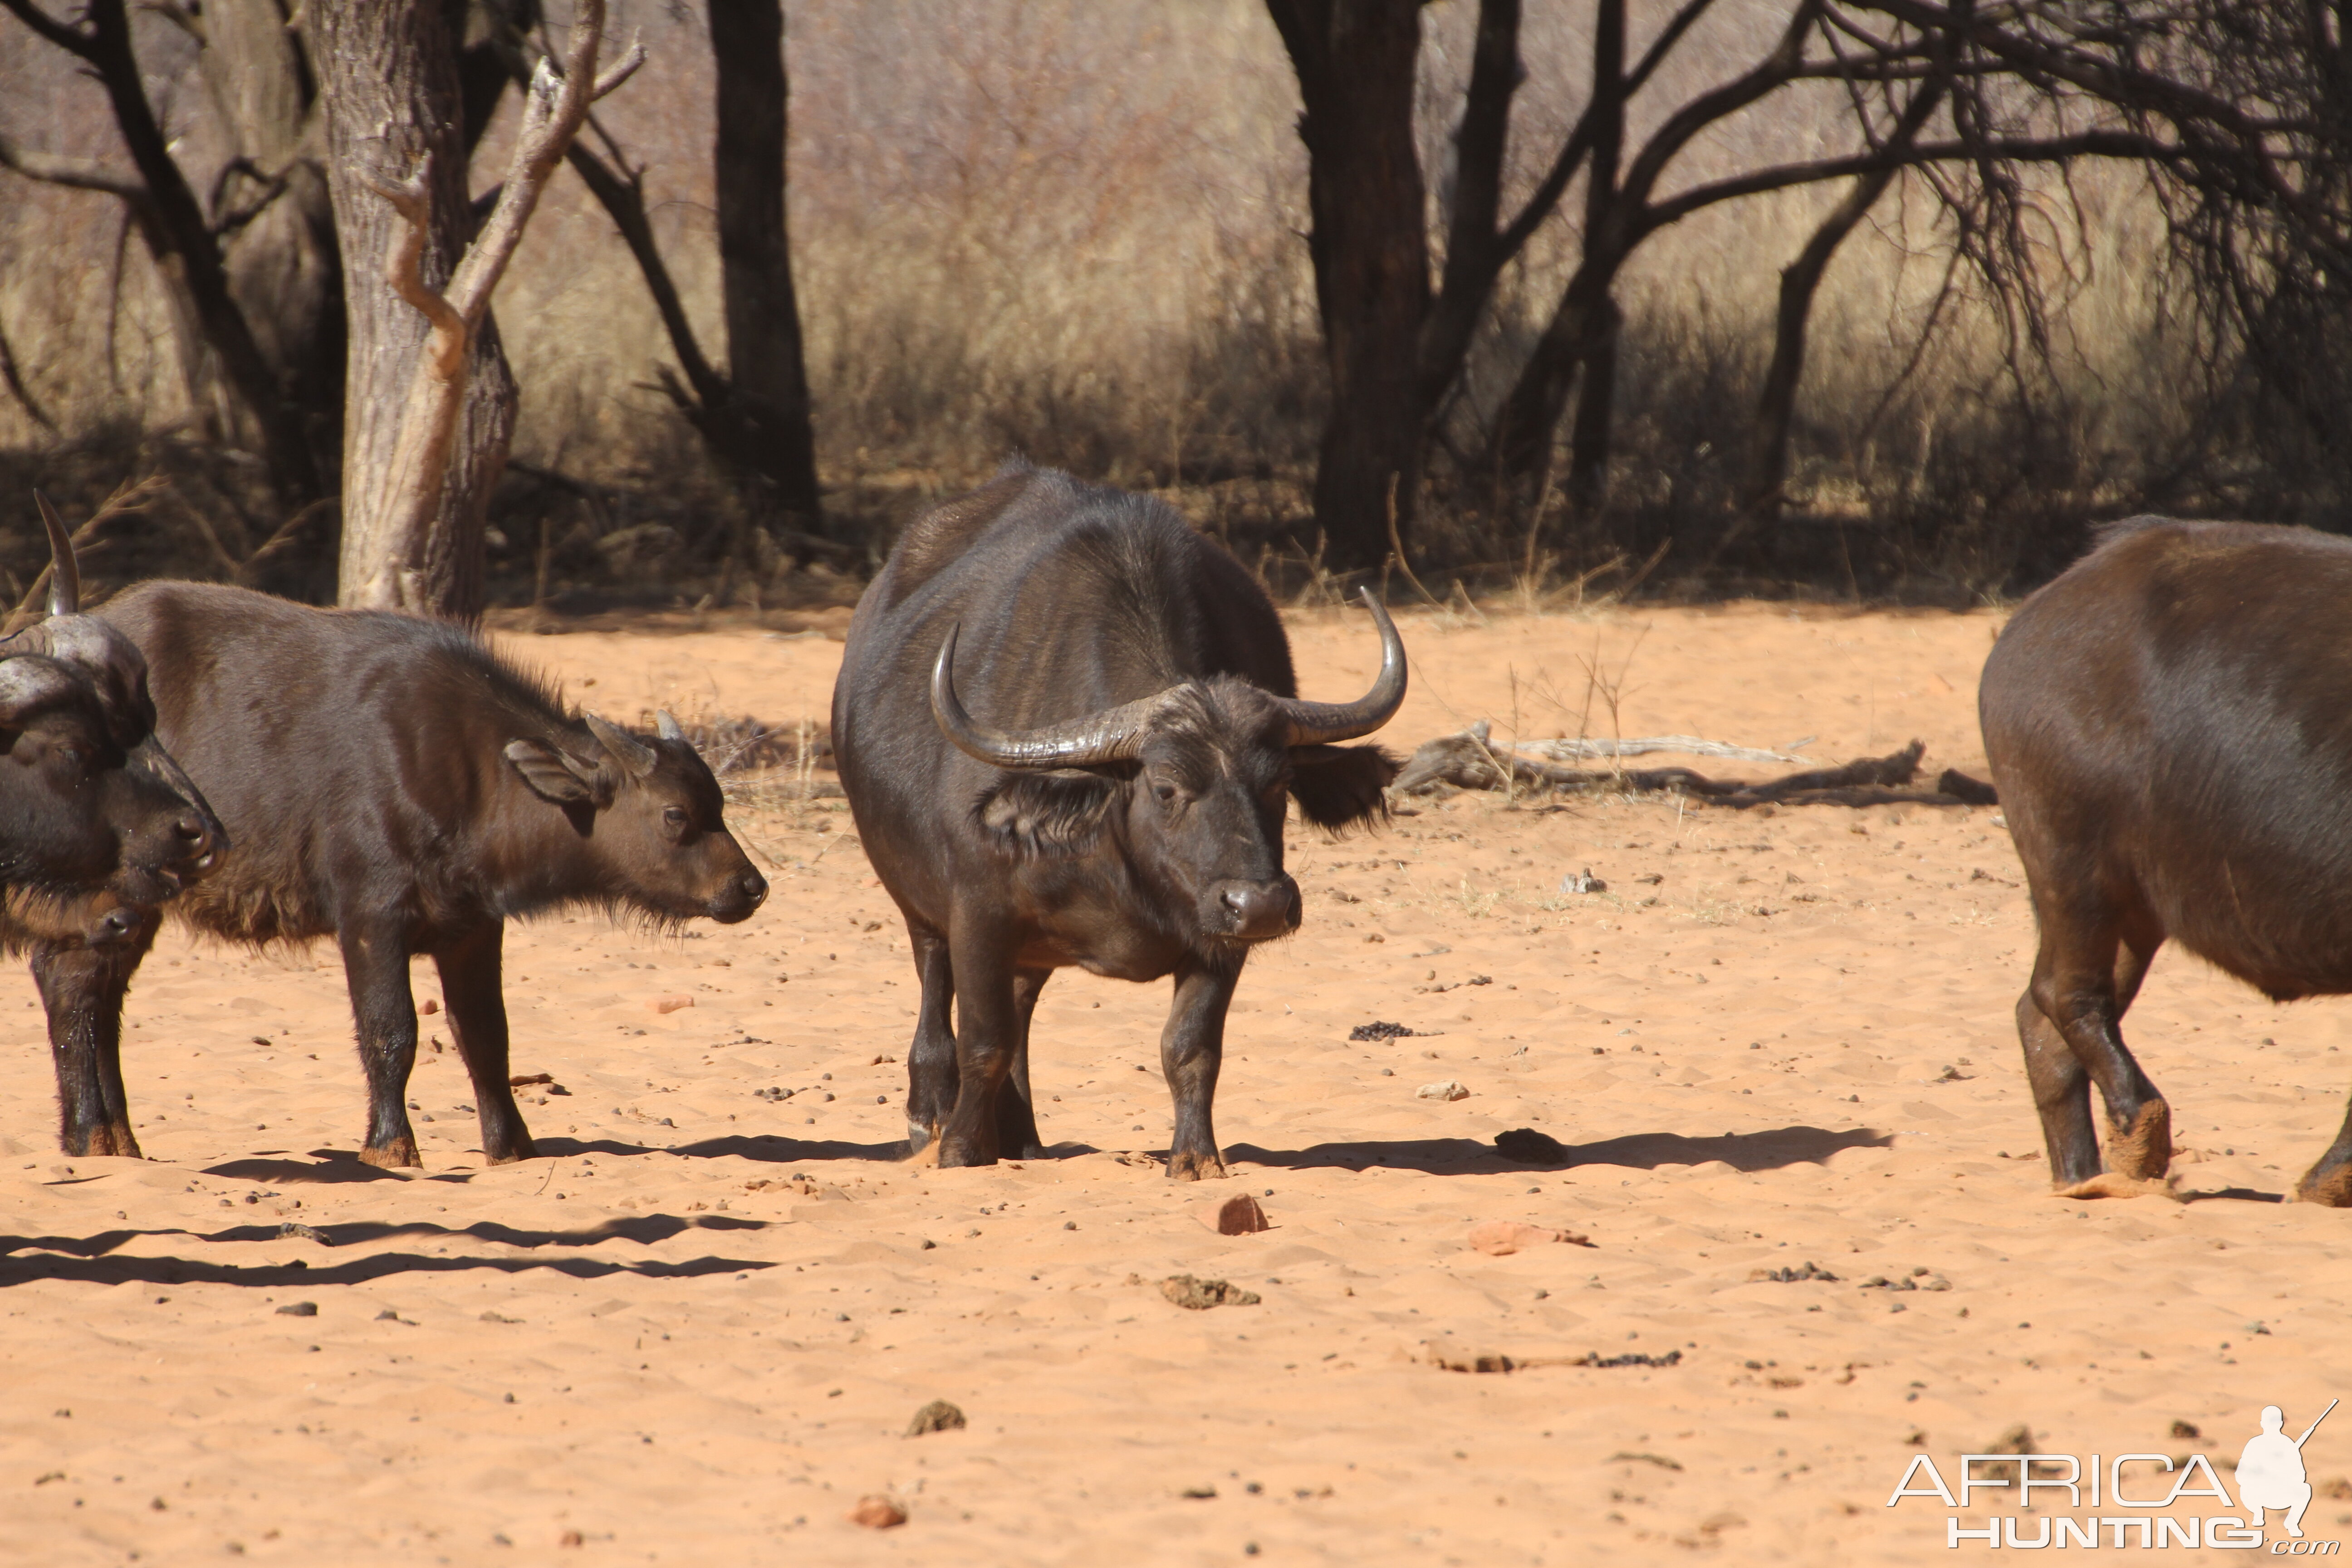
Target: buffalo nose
pixel 755 887
pixel 117 925
pixel 1259 909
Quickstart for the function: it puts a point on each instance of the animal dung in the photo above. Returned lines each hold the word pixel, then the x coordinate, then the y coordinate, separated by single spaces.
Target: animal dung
pixel 670 1004
pixel 1200 1295
pixel 1529 1147
pixel 1378 1030
pixel 525 1080
pixel 1237 1216
pixel 876 1511
pixel 938 1415
pixel 1445 1088
pixel 298 1309
pixel 429 1006
pixel 1502 1237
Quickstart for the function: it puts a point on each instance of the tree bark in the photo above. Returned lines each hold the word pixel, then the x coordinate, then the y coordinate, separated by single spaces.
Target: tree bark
pixel 387 70
pixel 1355 64
pixel 766 371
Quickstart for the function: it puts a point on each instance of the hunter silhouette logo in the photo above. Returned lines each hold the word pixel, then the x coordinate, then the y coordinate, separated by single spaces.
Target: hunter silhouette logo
pixel 2075 1492
pixel 2271 1474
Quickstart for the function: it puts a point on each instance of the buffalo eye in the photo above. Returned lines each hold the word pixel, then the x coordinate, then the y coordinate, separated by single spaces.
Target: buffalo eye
pixel 1164 791
pixel 674 816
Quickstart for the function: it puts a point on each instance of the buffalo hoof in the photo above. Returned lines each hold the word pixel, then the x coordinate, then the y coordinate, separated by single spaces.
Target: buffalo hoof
pixel 919 1137
pixel 401 1155
pixel 98 1141
pixel 2144 1149
pixel 2115 1185
pixel 519 1150
pixel 1195 1167
pixel 2331 1187
pixel 956 1154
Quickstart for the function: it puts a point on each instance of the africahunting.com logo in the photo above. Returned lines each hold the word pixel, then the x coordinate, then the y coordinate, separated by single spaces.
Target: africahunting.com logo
pixel 2269 1475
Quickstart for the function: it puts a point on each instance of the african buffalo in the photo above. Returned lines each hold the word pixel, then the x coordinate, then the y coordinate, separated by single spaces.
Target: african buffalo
pixel 89 800
pixel 1116 803
pixel 2169 723
pixel 395 784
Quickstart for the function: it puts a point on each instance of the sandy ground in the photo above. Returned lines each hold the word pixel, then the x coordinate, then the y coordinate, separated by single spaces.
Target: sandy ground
pixel 697 1332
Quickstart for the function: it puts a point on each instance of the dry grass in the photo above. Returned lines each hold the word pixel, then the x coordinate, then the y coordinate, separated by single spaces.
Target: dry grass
pixel 1073 230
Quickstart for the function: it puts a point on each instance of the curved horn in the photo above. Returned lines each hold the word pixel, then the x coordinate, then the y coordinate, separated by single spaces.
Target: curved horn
pixel 1112 735
pixel 65 578
pixel 1319 723
pixel 634 756
pixel 666 725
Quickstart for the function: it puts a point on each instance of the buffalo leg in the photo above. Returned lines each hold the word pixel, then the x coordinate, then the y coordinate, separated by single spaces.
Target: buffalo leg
pixel 1016 1107
pixel 2076 987
pixel 2330 1181
pixel 2062 1085
pixel 82 990
pixel 986 1034
pixel 473 985
pixel 1191 1050
pixel 383 1013
pixel 931 1057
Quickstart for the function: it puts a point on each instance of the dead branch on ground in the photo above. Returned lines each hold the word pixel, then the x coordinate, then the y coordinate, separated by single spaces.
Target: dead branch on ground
pixel 1469 761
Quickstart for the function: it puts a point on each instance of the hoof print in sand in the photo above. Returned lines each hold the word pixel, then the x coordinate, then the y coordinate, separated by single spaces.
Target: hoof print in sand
pixel 938 1415
pixel 876 1511
pixel 1237 1216
pixel 1200 1295
pixel 1501 1238
pixel 1529 1147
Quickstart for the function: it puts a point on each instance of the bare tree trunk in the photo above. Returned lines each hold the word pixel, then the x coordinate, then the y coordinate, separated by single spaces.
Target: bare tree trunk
pixel 278 224
pixel 1355 63
pixel 173 222
pixel 1582 331
pixel 387 70
pixel 1800 281
pixel 765 366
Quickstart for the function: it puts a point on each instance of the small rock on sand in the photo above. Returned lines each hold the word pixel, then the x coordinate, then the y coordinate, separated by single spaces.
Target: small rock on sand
pixel 938 1415
pixel 876 1511
pixel 1444 1090
pixel 1501 1238
pixel 1237 1216
pixel 298 1309
pixel 1200 1295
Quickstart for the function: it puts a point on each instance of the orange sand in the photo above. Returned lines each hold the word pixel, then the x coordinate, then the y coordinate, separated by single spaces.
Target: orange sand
pixel 697 1333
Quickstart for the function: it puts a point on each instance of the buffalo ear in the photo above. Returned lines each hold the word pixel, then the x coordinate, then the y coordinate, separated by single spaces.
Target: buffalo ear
pixel 554 777
pixel 1340 786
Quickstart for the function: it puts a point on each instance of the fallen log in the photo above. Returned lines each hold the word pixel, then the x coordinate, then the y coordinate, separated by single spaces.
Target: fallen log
pixel 1470 760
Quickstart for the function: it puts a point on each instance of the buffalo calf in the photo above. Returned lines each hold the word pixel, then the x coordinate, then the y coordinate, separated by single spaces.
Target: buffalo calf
pixel 394 784
pixel 2167 725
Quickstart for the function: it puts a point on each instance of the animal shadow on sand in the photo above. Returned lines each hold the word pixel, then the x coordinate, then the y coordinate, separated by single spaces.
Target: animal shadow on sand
pixel 1771 1149
pixel 88 1259
pixel 327 1166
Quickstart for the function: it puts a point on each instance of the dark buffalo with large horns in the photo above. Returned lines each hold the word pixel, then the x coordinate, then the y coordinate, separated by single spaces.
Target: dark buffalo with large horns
pixel 2169 723
pixel 397 785
pixel 1068 728
pixel 91 803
